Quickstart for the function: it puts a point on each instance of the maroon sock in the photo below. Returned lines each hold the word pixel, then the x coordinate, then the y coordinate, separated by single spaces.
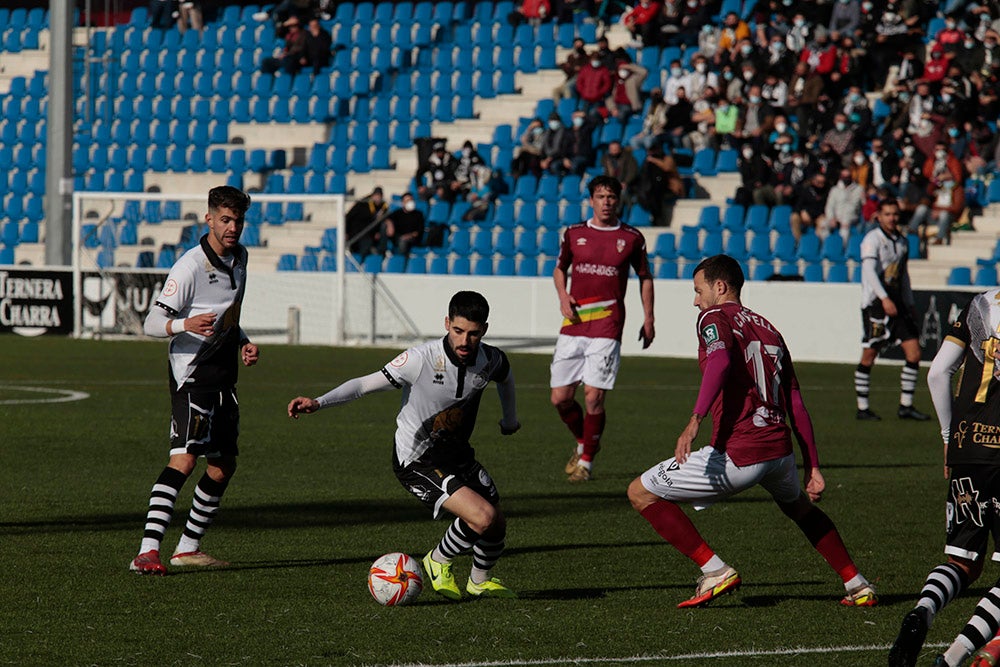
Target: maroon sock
pixel 675 527
pixel 572 415
pixel 823 535
pixel 593 427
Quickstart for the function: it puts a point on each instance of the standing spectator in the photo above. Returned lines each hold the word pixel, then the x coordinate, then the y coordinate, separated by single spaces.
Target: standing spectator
pixel 318 46
pixel 435 178
pixel 619 163
pixel 625 98
pixel 362 222
pixel 757 176
pixel 679 122
pixel 161 13
pixel 580 151
pixel 468 160
pixel 726 117
pixel 843 205
pixel 404 228
pixel 643 23
pixel 756 119
pixel 529 154
pixel 845 17
pixel 809 205
pixel 594 262
pixel 790 180
pixel 593 83
pixel 660 186
pixel 293 56
pixel 676 78
pixel 820 54
pixel 734 30
pixel 888 312
pixel 884 167
pixel 199 310
pixel 555 145
pixel 576 59
pixel 654 124
pixel 948 203
pixel 804 91
pixel 861 170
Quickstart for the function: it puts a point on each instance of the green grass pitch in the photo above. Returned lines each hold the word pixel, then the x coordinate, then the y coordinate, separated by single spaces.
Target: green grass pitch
pixel 315 501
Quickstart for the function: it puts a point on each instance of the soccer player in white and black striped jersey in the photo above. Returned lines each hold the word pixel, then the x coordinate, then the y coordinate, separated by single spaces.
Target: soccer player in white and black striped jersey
pixel 199 310
pixel 443 382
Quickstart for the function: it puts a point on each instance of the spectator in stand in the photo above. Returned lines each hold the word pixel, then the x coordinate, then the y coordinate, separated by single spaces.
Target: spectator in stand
pixel 855 107
pixel 700 78
pixel 189 15
pixel 708 40
pixel 404 228
pixel 468 160
pixel 618 162
pixel 756 119
pixel 950 37
pixel 319 43
pixel 778 60
pixel 891 36
pixel 843 206
pixel 484 189
pixel 921 107
pixel 293 55
pixel 593 83
pixel 726 117
pixel 828 161
pixel 943 166
pixel 643 23
pixel 810 205
pixel 696 28
pixel 820 54
pixel 533 12
pixel 161 13
pixel 676 78
pixel 861 169
pixel 660 186
pixel 884 167
pixel 792 178
pixel 804 91
pixel 605 54
pixel 948 204
pixel 798 35
pixel 566 10
pixel 679 122
pixel 576 59
pixel 757 176
pixel 580 150
pixel 529 156
pixel 908 72
pixel 849 67
pixel 626 96
pixel 555 145
pixel 937 67
pixel 841 137
pixel 362 222
pixel 436 176
pixel 702 120
pixel 654 125
pixel 782 128
pixel 845 17
pixel 774 92
pixel 734 30
pixel 990 55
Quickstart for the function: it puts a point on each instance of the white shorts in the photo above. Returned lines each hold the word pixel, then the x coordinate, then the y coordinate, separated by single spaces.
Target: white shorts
pixel 593 361
pixel 709 476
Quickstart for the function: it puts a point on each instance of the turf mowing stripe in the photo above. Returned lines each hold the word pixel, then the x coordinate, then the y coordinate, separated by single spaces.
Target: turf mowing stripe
pixel 663 658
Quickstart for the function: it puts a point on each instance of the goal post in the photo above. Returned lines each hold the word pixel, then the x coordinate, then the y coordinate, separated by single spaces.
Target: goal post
pixel 124 244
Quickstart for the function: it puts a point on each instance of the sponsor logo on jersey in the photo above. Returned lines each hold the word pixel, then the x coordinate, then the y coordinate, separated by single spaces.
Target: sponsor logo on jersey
pixel 966 497
pixel 620 245
pixel 213 278
pixel 596 269
pixel 170 288
pixel 439 364
pixel 400 360
pixel 438 378
pixel 963 427
pixel 581 241
pixel 710 334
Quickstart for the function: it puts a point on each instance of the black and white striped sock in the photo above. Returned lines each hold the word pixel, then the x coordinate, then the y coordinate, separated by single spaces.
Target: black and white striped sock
pixel 942 585
pixel 161 508
pixel 862 384
pixel 485 555
pixel 457 540
pixel 908 382
pixel 985 622
pixel 204 507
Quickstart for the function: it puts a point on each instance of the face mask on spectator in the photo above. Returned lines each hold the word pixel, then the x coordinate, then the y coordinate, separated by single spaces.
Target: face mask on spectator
pixel 595 63
pixel 746 49
pixel 623 73
pixel 867 6
pixel 577 121
pixel 537 130
pixel 780 127
pixel 798 161
pixel 859 160
pixel 904 96
pixel 676 72
pixel 747 153
pixel 799 22
pixel 785 148
pixel 747 74
pixel 948 185
pixel 728 76
pixel 952 131
pixel 940 154
pixel 841 126
pixel 969 44
pixel 554 125
pixel 755 99
pixel 908 151
pixel 409 205
pixel 946 97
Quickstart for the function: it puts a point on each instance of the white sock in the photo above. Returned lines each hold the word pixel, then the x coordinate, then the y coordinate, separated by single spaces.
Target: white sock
pixel 579 448
pixel 439 557
pixel 586 464
pixel 857 582
pixel 714 563
pixel 479 576
pixel 149 544
pixel 187 545
pixel 959 650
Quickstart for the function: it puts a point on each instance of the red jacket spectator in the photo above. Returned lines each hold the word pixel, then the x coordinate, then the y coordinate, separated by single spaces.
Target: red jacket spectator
pixel 822 61
pixel 642 14
pixel 593 83
pixel 937 67
pixel 536 9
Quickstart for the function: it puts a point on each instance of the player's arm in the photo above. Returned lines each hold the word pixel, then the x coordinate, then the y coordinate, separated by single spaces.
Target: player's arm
pixel 345 393
pixel 946 362
pixel 648 330
pixel 802 426
pixel 713 379
pixel 869 276
pixel 164 321
pixel 567 304
pixel 503 376
pixel 907 292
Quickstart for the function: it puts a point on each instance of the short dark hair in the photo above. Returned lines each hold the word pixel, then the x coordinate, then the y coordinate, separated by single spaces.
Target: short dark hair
pixel 470 305
pixel 226 196
pixel 724 268
pixel 609 182
pixel 887 201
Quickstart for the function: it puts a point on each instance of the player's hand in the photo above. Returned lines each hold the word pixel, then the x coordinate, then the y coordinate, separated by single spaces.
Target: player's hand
pixel 250 354
pixel 684 442
pixel 567 306
pixel 815 484
pixel 302 406
pixel 203 325
pixel 509 430
pixel 889 307
pixel 646 333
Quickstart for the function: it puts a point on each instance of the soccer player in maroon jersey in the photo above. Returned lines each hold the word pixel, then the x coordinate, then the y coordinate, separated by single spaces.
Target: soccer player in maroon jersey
pixel 597 253
pixel 749 386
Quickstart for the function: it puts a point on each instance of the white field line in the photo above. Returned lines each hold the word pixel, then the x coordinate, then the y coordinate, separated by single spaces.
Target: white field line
pixel 664 658
pixel 62 395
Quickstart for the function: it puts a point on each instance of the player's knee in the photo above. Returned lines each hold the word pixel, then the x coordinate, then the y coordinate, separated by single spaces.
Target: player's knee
pixel 972 568
pixel 221 470
pixel 639 496
pixel 486 519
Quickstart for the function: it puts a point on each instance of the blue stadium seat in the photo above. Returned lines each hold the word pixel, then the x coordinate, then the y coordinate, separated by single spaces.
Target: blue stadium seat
pixel 687 247
pixel 837 273
pixel 483 266
pixel 784 248
pixel 549 243
pixel 986 276
pixel 667 270
pixel 462 266
pixel 733 218
pixel 960 276
pixel 527 267
pixel 760 247
pixel 814 272
pixel 833 249
pixel 809 248
pixel 736 246
pixel 665 246
pixel 781 219
pixel 708 219
pixel 712 244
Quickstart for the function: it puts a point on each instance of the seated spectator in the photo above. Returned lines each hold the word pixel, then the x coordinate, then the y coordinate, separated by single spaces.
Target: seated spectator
pixel 362 222
pixel 529 155
pixel 676 78
pixel 909 70
pixel 792 177
pixel 782 128
pixel 734 30
pixel 702 121
pixel 854 105
pixel 469 159
pixel 757 177
pixel 435 178
pixel 884 171
pixel 189 15
pixel 566 10
pixel 950 37
pixel 726 117
pixel 659 187
pixel 891 36
pixel 820 54
pixel 580 150
pixel 845 17
pixel 804 91
pixel 809 205
pixel 700 78
pixel 643 23
pixel 841 137
pixel 555 145
pixel 843 206
pixel 948 204
pixel 654 125
pixel 625 98
pixel 756 119
pixel 861 169
pixel 775 92
pixel 485 187
pixel 937 67
pixel 778 60
pixel 319 43
pixel 798 35
pixel 293 55
pixel 618 162
pixel 404 228
pixel 576 59
pixel 593 83
pixel 533 12
pixel 679 121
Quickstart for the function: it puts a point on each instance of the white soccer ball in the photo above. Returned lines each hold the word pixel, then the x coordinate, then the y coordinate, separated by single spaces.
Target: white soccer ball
pixel 395 579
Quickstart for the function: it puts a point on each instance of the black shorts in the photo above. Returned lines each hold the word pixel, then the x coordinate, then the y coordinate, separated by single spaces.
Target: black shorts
pixel 433 484
pixel 972 511
pixel 204 423
pixel 880 330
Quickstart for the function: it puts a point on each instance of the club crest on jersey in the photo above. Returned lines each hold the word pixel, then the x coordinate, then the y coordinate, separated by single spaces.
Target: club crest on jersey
pixel 400 360
pixel 170 288
pixel 439 364
pixel 620 245
pixel 710 334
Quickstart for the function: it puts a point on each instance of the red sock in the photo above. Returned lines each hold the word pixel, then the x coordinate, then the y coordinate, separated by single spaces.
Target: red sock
pixel 572 415
pixel 823 535
pixel 675 527
pixel 593 427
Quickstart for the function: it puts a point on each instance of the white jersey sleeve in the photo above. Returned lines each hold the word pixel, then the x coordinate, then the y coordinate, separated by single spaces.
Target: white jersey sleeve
pixel 405 368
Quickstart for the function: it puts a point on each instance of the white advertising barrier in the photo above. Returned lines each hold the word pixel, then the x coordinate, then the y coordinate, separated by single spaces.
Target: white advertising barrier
pixel 819 322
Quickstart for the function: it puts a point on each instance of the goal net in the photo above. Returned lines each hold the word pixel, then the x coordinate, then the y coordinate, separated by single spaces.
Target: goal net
pixel 302 287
